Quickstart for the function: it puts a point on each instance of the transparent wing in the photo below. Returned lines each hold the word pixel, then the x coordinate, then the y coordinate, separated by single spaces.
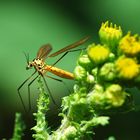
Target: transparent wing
pixel 74 45
pixel 44 51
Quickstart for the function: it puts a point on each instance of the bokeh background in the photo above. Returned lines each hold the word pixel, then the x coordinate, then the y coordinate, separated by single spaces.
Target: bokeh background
pixel 26 25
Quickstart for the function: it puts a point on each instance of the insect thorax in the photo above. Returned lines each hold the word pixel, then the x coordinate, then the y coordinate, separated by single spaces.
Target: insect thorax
pixel 39 65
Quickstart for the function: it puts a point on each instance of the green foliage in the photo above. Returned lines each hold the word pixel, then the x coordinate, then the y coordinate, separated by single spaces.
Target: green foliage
pixel 18 128
pixel 41 127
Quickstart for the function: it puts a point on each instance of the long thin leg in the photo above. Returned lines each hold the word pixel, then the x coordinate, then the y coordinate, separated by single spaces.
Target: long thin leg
pixel 49 91
pixel 29 95
pixel 65 54
pixel 18 90
pixel 59 80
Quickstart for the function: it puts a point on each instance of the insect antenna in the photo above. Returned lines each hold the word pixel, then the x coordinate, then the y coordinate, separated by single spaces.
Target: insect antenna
pixel 27 57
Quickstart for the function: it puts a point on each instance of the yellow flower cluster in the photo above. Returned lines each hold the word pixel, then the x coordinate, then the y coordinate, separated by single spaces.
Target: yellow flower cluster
pixel 130 45
pixel 98 53
pixel 127 68
pixel 113 96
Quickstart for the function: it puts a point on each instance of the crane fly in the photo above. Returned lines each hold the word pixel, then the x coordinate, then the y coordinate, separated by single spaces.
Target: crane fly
pixel 42 68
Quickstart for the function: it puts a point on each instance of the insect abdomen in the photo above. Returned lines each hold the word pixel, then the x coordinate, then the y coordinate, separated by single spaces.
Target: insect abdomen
pixel 59 72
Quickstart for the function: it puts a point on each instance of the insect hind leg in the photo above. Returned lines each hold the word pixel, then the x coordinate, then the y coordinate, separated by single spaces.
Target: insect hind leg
pixel 49 91
pixel 59 80
pixel 66 54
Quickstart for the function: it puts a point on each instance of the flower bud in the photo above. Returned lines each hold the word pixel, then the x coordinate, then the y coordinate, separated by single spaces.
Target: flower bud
pixel 90 79
pixel 127 68
pixel 110 34
pixel 108 72
pixel 80 73
pixel 130 45
pixel 98 53
pixel 85 62
pixel 115 96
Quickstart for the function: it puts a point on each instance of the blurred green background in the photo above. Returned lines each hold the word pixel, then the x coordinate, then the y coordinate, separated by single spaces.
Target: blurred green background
pixel 26 25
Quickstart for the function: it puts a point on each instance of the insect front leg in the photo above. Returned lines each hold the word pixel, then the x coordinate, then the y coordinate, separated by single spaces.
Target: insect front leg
pixel 18 90
pixel 29 95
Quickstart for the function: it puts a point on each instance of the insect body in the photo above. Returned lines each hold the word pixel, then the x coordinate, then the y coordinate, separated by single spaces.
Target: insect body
pixel 42 68
pixel 59 72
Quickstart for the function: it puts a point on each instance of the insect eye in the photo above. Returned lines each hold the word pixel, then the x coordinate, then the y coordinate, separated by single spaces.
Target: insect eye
pixel 29 66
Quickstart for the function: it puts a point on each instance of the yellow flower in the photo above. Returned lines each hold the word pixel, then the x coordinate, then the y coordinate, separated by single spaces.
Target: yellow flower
pixel 127 68
pixel 110 34
pixel 130 45
pixel 98 53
